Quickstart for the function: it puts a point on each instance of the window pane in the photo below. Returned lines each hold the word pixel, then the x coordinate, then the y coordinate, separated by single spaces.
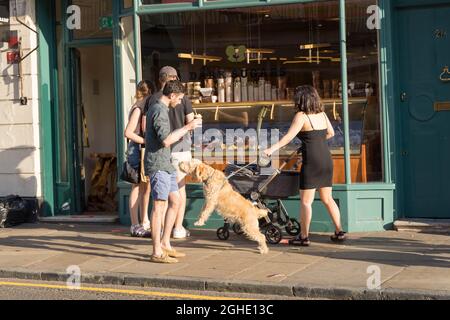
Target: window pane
pixel 269 51
pixel 363 76
pixel 96 18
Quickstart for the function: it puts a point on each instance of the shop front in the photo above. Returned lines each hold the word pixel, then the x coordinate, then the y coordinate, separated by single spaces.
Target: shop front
pixel 240 62
pixel 253 57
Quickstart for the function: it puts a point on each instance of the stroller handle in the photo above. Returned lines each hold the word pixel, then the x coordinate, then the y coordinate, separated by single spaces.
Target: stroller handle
pixel 277 172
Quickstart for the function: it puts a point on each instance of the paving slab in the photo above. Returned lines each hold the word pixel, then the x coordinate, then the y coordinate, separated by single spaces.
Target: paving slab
pixel 341 273
pixel 425 278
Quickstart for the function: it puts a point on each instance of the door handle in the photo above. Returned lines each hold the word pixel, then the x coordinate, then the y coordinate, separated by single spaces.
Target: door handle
pixel 403 97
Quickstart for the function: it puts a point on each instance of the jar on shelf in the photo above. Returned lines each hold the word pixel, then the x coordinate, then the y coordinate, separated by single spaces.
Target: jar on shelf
pixel 197 87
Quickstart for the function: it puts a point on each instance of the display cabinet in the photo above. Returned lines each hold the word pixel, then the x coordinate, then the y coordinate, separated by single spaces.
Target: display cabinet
pixel 238 132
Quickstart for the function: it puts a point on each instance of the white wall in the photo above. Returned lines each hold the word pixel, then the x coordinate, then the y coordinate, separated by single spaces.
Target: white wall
pixel 19 125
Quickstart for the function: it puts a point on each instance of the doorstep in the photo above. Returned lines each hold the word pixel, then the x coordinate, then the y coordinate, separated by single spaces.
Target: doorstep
pixel 423 225
pixel 85 218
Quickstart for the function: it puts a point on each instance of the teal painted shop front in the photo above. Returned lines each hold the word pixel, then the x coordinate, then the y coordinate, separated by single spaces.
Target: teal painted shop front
pixel 402 172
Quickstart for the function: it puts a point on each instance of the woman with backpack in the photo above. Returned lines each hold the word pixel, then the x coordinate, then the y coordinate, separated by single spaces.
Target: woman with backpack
pixel 134 132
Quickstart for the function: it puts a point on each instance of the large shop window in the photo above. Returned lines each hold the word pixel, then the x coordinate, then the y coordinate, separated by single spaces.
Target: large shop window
pixel 252 59
pixel 363 76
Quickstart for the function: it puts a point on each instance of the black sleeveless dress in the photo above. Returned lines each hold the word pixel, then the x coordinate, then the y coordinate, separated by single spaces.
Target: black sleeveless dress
pixel 317 164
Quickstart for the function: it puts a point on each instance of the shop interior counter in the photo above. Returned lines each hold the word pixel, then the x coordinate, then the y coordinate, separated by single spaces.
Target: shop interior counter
pixel 246 122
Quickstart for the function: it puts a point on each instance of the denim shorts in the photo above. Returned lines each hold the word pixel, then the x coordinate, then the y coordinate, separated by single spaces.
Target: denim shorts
pixel 134 155
pixel 163 184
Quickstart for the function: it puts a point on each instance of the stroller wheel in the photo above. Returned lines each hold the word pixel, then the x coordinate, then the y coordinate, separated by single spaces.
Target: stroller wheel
pixel 293 227
pixel 273 234
pixel 223 233
pixel 237 229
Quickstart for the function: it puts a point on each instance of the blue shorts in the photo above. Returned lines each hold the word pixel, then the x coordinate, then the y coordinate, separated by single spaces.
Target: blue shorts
pixel 163 184
pixel 134 155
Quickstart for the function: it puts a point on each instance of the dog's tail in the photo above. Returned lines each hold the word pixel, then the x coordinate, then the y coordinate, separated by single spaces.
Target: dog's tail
pixel 262 213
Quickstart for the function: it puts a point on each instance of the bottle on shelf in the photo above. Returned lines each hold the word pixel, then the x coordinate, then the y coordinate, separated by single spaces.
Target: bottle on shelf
pixel 228 87
pixel 244 85
pixel 221 89
pixel 237 89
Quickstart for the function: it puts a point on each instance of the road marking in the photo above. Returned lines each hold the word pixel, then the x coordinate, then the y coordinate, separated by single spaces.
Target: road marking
pixel 110 290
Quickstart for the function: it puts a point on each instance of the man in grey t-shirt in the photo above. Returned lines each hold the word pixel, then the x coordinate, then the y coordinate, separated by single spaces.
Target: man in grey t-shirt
pixel 163 175
pixel 181 150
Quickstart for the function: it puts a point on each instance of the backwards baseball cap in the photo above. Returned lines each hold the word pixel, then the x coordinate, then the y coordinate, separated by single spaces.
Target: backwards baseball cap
pixel 168 71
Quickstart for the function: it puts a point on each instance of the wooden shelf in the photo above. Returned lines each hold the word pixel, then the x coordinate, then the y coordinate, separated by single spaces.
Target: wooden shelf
pixel 287 103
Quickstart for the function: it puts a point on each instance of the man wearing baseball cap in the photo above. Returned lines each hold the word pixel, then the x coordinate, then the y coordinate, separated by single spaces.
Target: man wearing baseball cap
pixel 179 116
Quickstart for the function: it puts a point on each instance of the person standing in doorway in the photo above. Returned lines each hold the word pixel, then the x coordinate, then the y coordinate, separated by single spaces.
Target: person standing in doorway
pixel 313 128
pixel 181 150
pixel 134 132
pixel 162 173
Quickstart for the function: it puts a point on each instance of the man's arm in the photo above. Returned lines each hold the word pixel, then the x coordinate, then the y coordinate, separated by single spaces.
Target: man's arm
pixel 178 134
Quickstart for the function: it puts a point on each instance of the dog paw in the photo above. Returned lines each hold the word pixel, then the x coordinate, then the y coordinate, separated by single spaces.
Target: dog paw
pixel 199 223
pixel 263 250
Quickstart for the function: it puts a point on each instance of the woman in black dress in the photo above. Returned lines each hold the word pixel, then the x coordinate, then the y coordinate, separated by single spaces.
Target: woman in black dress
pixel 312 126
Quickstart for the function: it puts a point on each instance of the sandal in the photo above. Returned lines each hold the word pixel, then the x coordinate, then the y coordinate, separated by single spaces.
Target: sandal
pixel 140 232
pixel 338 236
pixel 163 259
pixel 299 241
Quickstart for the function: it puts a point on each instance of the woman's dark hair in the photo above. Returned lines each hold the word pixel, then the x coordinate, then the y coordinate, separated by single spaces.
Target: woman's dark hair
pixel 307 100
pixel 144 89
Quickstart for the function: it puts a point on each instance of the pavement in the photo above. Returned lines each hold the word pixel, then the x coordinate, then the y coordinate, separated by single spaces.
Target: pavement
pixel 376 265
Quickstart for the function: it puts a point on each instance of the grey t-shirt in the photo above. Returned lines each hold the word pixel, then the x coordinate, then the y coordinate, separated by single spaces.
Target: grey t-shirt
pixel 157 157
pixel 177 117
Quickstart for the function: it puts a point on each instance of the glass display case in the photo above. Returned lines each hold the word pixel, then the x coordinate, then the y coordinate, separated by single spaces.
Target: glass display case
pixel 238 132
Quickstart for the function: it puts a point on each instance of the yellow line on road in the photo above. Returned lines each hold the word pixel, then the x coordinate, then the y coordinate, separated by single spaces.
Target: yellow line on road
pixel 119 291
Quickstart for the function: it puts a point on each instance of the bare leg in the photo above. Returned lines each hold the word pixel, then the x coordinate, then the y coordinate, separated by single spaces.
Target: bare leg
pixel 180 214
pixel 157 213
pixel 134 204
pixel 145 201
pixel 307 199
pixel 174 204
pixel 327 199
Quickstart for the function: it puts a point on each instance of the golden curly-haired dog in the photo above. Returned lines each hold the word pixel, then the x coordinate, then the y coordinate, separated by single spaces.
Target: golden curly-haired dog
pixel 220 196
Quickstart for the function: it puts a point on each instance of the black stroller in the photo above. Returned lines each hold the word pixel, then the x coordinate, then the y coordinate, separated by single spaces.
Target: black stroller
pixel 259 189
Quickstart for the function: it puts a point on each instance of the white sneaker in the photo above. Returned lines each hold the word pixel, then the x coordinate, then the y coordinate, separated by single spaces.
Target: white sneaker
pixel 181 233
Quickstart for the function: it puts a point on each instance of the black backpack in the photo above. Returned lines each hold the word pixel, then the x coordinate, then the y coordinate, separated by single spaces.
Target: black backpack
pixel 14 211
